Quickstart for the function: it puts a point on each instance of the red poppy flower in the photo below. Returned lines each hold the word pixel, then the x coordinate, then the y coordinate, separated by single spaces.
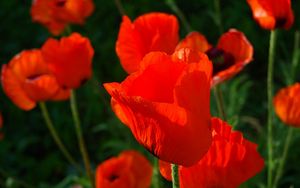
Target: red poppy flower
pixel 287 103
pixel 69 59
pixel 272 14
pixel 57 14
pixel 129 170
pixel 166 105
pixel 27 80
pixel 229 57
pixel 230 161
pixel 149 32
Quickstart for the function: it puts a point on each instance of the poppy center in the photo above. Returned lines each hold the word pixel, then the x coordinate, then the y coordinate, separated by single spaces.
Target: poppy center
pixel 220 59
pixel 60 3
pixel 280 22
pixel 113 177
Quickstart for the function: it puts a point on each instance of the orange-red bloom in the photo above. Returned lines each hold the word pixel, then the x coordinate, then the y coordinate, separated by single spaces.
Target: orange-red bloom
pixel 129 170
pixel 229 57
pixel 166 105
pixel 230 161
pixel 69 59
pixel 27 80
pixel 149 32
pixel 272 14
pixel 287 105
pixel 57 14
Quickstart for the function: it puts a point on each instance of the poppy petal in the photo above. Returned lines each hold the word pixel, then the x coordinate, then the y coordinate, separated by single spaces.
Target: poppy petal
pixel 41 88
pixel 165 170
pixel 129 169
pixel 272 15
pixel 149 32
pixel 69 59
pixel 114 173
pixel 61 94
pixel 237 45
pixel 195 41
pixel 14 90
pixel 159 115
pixel 286 103
pixel 230 161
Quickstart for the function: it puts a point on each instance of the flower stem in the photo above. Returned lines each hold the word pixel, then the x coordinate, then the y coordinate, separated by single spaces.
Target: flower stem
pixel 155 181
pixel 270 106
pixel 220 102
pixel 175 176
pixel 55 136
pixel 295 56
pixel 120 7
pixel 218 15
pixel 80 137
pixel 284 155
pixel 290 130
pixel 178 12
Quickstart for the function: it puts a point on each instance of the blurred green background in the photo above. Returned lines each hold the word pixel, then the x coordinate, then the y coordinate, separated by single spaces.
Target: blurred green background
pixel 28 152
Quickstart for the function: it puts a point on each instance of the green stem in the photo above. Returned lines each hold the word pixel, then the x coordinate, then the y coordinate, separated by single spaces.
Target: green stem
pixel 120 7
pixel 218 15
pixel 175 176
pixel 295 55
pixel 55 136
pixel 80 137
pixel 284 155
pixel 290 130
pixel 220 102
pixel 178 12
pixel 270 105
pixel 155 180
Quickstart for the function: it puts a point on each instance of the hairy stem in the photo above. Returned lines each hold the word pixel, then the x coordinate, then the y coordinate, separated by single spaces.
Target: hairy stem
pixel 79 135
pixel 175 176
pixel 55 136
pixel 270 105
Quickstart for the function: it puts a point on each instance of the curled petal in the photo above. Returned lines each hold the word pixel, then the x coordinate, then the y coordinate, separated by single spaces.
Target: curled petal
pixel 235 44
pixel 195 41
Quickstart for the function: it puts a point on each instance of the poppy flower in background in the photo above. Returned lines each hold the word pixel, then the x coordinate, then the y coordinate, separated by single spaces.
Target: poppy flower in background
pixel 286 103
pixel 272 14
pixel 149 32
pixel 166 105
pixel 69 59
pixel 229 57
pixel 26 80
pixel 230 161
pixel 129 170
pixel 57 14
